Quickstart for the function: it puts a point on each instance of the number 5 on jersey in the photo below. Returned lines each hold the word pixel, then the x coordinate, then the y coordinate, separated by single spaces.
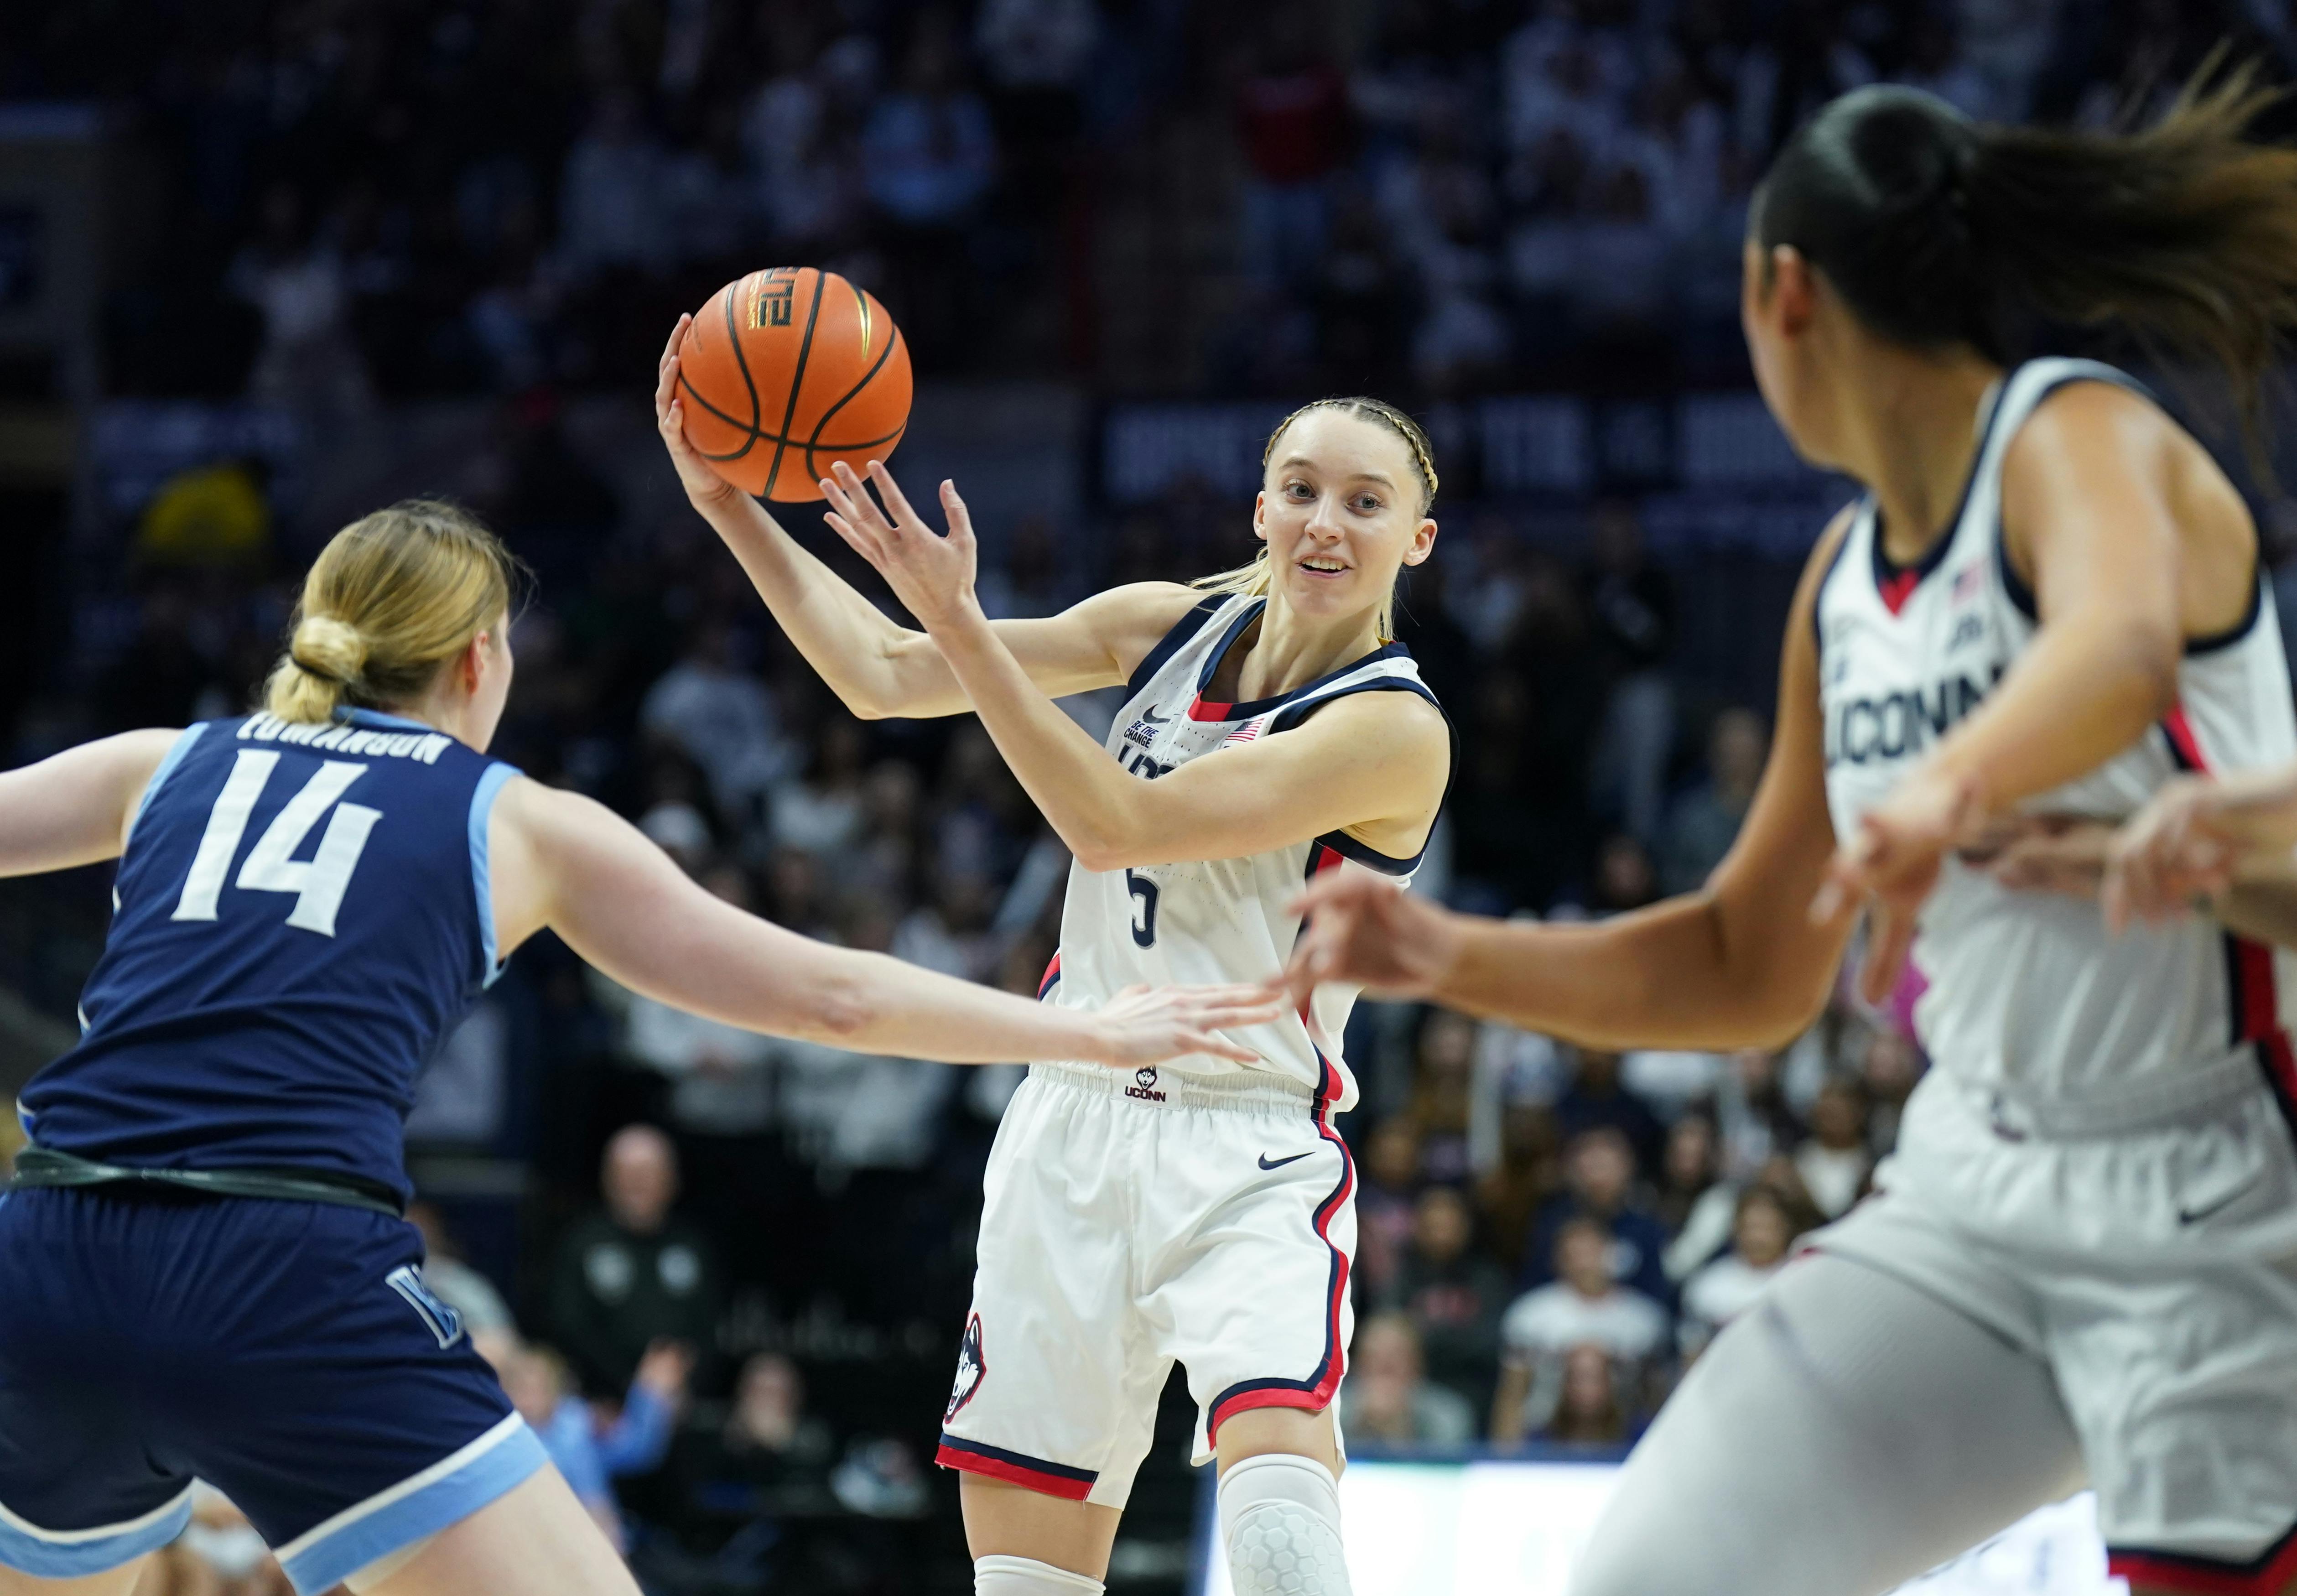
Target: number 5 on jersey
pixel 1144 909
pixel 320 883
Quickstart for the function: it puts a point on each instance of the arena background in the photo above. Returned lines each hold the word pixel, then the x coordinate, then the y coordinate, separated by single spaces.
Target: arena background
pixel 264 266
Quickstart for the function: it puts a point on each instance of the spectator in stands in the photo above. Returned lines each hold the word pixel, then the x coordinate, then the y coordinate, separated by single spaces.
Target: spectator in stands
pixel 1442 1099
pixel 1598 1098
pixel 1704 822
pixel 1835 1162
pixel 590 1450
pixel 737 1478
pixel 1695 1204
pixel 1625 876
pixel 1384 1204
pixel 1632 602
pixel 1454 1295
pixel 1752 1112
pixel 611 209
pixel 1584 1304
pixel 1600 1176
pixel 1292 121
pixel 454 1282
pixel 818 810
pixel 633 1274
pixel 1529 1172
pixel 1388 1400
pixel 721 717
pixel 1761 1232
pixel 929 156
pixel 1588 1409
pixel 308 361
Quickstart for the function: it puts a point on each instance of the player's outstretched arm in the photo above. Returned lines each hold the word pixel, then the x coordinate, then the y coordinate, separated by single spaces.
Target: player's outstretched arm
pixel 561 861
pixel 2225 842
pixel 875 666
pixel 1739 963
pixel 1376 760
pixel 2201 845
pixel 74 808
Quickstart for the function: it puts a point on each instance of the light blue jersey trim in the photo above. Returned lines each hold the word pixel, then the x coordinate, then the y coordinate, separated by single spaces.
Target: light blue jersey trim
pixel 169 760
pixel 482 803
pixel 73 1554
pixel 447 1493
pixel 357 716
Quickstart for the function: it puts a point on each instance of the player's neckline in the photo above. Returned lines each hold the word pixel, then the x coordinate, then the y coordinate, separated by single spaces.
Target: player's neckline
pixel 1201 708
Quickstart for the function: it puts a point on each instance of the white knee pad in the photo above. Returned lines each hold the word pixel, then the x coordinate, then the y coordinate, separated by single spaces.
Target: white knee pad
pixel 1280 1520
pixel 1026 1576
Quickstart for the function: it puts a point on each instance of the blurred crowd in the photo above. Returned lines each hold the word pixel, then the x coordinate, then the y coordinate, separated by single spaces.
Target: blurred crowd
pixel 338 199
pixel 723 1274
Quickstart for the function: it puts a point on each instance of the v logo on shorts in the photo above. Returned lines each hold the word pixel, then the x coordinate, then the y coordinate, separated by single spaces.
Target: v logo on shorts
pixel 445 1325
pixel 1267 1163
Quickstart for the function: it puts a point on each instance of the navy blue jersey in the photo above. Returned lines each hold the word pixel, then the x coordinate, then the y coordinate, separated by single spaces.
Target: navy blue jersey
pixel 301 914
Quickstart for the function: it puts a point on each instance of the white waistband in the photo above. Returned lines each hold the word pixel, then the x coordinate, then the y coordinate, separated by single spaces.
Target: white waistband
pixel 2154 1101
pixel 1248 1090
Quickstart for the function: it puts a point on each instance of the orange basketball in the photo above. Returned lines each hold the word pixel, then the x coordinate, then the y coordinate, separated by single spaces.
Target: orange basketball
pixel 785 372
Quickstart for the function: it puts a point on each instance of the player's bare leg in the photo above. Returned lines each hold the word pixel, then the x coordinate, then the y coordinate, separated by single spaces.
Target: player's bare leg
pixel 535 1539
pixel 1008 1528
pixel 113 1581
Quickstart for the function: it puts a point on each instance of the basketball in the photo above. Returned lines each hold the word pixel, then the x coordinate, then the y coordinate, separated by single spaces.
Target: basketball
pixel 787 371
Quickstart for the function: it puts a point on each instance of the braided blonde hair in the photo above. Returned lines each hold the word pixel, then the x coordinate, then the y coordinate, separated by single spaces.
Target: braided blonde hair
pixel 393 596
pixel 1253 578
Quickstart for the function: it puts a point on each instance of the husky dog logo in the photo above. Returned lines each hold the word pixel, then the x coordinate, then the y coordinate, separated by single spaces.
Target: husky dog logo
pixel 969 1369
pixel 1144 1086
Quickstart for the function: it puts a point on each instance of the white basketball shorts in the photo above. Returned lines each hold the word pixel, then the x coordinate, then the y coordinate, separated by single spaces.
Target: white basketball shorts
pixel 1132 1221
pixel 2180 1379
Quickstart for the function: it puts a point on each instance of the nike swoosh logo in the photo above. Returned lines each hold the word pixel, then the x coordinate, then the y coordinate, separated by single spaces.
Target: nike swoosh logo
pixel 1154 719
pixel 1281 1163
pixel 2188 1216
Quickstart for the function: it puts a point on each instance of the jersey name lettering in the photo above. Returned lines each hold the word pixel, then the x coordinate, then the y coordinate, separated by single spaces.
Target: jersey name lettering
pixel 425 747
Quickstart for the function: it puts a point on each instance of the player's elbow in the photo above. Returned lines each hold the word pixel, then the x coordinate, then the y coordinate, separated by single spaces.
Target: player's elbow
pixel 840 1008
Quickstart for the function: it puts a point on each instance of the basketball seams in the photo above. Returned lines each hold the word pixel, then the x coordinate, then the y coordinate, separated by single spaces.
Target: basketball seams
pixel 797 383
pixel 741 360
pixel 813 444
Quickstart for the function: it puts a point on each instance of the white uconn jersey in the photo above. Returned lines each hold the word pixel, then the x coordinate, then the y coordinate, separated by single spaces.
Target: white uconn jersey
pixel 2030 1001
pixel 1222 919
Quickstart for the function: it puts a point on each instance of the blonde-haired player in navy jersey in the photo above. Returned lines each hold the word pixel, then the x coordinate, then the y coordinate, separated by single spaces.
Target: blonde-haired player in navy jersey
pixel 2082 1263
pixel 1204 1211
pixel 205 1269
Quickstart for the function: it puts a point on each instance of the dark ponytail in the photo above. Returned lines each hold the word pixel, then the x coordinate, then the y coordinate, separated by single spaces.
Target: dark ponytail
pixel 1938 229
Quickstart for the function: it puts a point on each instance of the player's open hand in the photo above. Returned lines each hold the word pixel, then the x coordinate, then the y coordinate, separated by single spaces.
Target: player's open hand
pixel 2194 840
pixel 1889 865
pixel 1371 933
pixel 1150 1025
pixel 704 487
pixel 931 575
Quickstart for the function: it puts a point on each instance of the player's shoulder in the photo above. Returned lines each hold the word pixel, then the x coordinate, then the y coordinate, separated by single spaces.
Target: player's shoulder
pixel 1157 604
pixel 1401 734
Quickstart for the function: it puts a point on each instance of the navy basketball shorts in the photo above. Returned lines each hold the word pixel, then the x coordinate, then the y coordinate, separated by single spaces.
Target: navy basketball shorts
pixel 285 1353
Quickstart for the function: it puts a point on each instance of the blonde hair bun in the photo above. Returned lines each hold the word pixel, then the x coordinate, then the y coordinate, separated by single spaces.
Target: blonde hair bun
pixel 329 647
pixel 392 598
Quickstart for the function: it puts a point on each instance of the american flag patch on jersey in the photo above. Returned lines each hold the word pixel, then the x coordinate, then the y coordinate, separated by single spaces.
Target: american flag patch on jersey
pixel 1244 733
pixel 1968 580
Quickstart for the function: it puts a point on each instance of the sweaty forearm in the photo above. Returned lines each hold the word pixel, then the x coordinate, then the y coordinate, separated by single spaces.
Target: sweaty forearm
pixel 872 1003
pixel 2084 692
pixel 875 667
pixel 1666 976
